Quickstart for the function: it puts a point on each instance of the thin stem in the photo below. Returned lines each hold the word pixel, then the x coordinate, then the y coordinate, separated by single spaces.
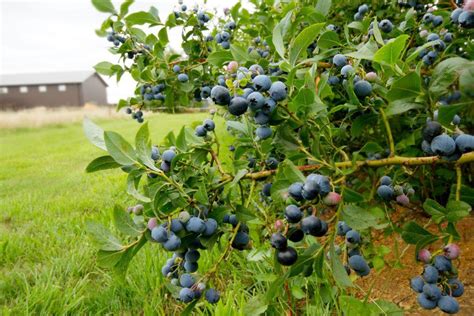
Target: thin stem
pixel 458 183
pixel 389 133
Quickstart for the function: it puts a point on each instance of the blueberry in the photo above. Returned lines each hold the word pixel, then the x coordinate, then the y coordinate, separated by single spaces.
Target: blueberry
pixel 184 7
pixel 225 36
pixel 295 235
pixel 417 284
pixel 256 70
pixel 186 280
pixel 183 77
pixel 192 255
pixel 456 120
pixel 353 252
pixel 430 274
pixel 466 19
pixel 465 143
pixel 358 16
pixel 176 68
pixel 205 92
pixel 212 296
pixel 442 263
pixel 165 270
pixel 448 37
pixel 311 225
pixel 173 243
pixel 362 88
pixel 426 147
pixel 263 132
pixel 241 240
pixel 209 125
pixel 168 155
pixel 261 118
pixel 176 225
pixel 256 100
pixel 165 166
pixel 272 163
pixel 425 302
pixel 385 26
pixel 346 70
pixel 385 192
pixel 363 9
pixel 339 60
pixel 385 180
pixel 159 234
pixel 278 241
pixel 428 18
pixel 269 106
pixel 431 130
pixel 456 287
pixel 437 20
pixel 432 292
pixel 333 80
pixel 233 220
pixel 220 95
pixel 287 257
pixel 200 131
pixel 262 83
pixel 323 230
pixel 155 153
pixel 211 227
pixel 443 145
pixel 353 237
pixel 195 225
pixel 432 37
pixel 225 45
pixel 267 189
pixel 455 15
pixel 448 305
pixel 190 267
pixel 186 295
pixel 238 106
pixel 295 191
pixel 342 228
pixel 293 213
pixel 278 91
pixel 359 265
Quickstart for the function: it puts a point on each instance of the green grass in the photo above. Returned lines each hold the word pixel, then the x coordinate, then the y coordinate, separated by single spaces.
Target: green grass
pixel 47 262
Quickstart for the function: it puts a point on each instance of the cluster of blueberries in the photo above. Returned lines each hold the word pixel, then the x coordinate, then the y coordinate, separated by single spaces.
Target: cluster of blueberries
pixel 446 100
pixel 362 88
pixel 137 115
pixel 150 93
pixel 261 47
pixel 410 4
pixel 223 39
pixel 207 126
pixel 260 95
pixel 361 11
pixel 435 142
pixel 182 77
pixel 114 38
pixel 463 17
pixel 356 261
pixel 186 254
pixel 429 56
pixel 242 238
pixel 388 192
pixel 166 158
pixel 438 285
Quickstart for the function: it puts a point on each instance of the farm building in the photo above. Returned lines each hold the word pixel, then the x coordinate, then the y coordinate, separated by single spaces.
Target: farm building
pixel 73 88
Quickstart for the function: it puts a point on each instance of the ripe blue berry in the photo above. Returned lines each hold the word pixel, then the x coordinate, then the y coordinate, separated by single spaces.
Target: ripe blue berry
pixel 287 257
pixel 311 225
pixel 241 240
pixel 209 125
pixel 359 265
pixel 347 70
pixel 278 241
pixel 212 296
pixel 183 77
pixel 256 100
pixel 448 305
pixel 353 237
pixel 159 234
pixel 432 292
pixel 186 295
pixel 262 83
pixel 293 214
pixel 190 267
pixel 220 95
pixel 339 60
pixel 443 145
pixel 200 131
pixel 385 192
pixel 417 284
pixel 267 189
pixel 238 106
pixel 173 242
pixel 195 225
pixel 295 191
pixel 385 26
pixel 263 132
pixel 362 88
pixel 211 227
pixel 425 302
pixel 342 228
pixel 168 155
pixel 456 287
pixel 278 91
pixel 465 143
pixel 430 274
pixel 385 180
pixel 442 263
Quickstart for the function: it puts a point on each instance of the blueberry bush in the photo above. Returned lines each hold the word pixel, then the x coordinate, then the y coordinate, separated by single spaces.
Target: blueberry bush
pixel 340 115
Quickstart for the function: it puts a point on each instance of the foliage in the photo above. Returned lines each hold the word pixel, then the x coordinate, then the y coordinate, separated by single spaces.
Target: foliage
pixel 349 99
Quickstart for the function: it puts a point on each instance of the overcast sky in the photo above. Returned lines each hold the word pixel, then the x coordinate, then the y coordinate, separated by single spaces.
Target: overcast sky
pixel 58 35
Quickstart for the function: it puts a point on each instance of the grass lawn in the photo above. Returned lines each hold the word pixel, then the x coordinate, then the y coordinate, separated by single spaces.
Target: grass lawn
pixel 47 263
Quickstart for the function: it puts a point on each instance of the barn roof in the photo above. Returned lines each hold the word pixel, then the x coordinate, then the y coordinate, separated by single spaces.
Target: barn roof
pixel 25 79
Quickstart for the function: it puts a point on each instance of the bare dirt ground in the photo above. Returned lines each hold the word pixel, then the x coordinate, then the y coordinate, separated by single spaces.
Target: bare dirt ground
pixel 43 116
pixel 393 284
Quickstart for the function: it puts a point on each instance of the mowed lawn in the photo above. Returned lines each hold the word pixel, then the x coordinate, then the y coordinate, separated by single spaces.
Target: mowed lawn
pixel 47 263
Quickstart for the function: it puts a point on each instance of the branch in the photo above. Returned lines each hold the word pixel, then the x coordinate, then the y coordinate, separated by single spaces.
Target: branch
pixel 403 161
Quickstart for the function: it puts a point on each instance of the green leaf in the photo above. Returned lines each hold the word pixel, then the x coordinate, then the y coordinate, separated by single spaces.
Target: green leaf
pixel 105 6
pixel 339 273
pixel 408 86
pixel 143 146
pixel 119 149
pixel 238 126
pixel 351 196
pixel 218 58
pixel 124 223
pixel 278 33
pixel 328 40
pixel 141 17
pixel 366 51
pixel 447 112
pixel 105 68
pixel 239 53
pixel 255 306
pixel 401 106
pixel 132 183
pixel 238 176
pixel 323 7
pixel 102 163
pixel 102 237
pixel 445 74
pixel 303 100
pixel 303 40
pixel 457 210
pixel 360 218
pixel 125 6
pixel 412 233
pixel 436 210
pixel 390 53
pixel 94 133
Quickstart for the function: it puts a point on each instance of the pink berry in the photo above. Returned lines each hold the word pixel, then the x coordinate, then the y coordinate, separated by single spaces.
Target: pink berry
pixel 152 223
pixel 423 33
pixel 403 200
pixel 279 225
pixel 424 255
pixel 371 76
pixel 469 5
pixel 451 251
pixel 332 199
pixel 232 66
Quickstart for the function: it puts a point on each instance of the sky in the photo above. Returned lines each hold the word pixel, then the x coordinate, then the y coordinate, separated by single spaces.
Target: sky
pixel 59 35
